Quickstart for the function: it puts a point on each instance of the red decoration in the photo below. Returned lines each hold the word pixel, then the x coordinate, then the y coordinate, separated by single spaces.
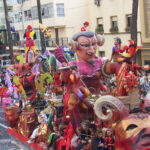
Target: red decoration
pixel 26 78
pixel 23 139
pixel 130 81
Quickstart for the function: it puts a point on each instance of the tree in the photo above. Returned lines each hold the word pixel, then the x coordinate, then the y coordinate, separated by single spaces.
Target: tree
pixel 10 43
pixel 134 21
pixel 40 21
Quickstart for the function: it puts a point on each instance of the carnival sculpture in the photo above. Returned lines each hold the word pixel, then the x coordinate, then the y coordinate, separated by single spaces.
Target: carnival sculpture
pixel 82 83
pixel 131 129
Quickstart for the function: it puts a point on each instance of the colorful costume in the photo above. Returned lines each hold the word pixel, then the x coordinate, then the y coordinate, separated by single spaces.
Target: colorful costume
pixel 127 52
pixel 108 141
pixel 30 36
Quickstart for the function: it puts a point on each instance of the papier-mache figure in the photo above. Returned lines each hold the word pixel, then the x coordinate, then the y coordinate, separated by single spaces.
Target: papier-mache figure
pixel 84 28
pixel 87 78
pixel 30 36
pixel 132 130
pixel 42 132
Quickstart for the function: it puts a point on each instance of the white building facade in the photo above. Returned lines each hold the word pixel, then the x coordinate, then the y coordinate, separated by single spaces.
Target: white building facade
pixel 63 17
pixel 66 17
pixel 114 19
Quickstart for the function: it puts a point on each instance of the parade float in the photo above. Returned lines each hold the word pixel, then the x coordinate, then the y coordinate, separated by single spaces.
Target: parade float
pixel 57 97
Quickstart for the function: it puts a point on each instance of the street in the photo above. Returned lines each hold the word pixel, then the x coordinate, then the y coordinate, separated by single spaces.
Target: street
pixel 7 142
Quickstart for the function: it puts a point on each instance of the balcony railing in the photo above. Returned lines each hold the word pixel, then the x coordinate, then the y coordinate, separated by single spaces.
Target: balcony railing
pixel 63 41
pixel 48 42
pixel 114 29
pixel 99 30
pixel 128 29
pixel 60 41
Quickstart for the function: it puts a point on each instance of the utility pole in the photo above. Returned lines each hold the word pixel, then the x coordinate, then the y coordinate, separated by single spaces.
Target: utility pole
pixel 10 43
pixel 40 21
pixel 134 23
pixel 22 15
pixel 22 23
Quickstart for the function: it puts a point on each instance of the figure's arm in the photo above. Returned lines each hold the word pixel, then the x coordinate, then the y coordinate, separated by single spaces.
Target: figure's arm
pixel 109 68
pixel 34 37
pixel 113 52
pixel 111 57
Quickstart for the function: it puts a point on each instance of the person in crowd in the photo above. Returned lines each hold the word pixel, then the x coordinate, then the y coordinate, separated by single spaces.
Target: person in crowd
pixel 53 137
pixel 84 135
pixel 109 140
pixel 98 141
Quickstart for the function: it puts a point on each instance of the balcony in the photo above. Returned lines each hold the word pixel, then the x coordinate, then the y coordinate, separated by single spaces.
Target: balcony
pixel 128 29
pixel 99 30
pixel 60 41
pixel 114 29
pixel 48 42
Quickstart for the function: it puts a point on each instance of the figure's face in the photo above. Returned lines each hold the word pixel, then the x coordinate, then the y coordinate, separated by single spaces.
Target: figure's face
pixel 26 78
pixel 86 48
pixel 116 42
pixel 136 131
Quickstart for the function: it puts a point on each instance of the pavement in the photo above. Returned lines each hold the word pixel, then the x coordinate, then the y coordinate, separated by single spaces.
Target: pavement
pixel 7 142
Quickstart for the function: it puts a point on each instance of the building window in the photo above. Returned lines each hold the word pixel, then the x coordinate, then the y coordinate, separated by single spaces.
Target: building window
pixel 60 10
pixel 27 15
pixel 18 17
pixel 147 18
pixel 47 10
pixel 24 0
pixel 34 13
pixel 97 2
pixel 99 28
pixel 128 23
pixel 114 24
pixel 11 20
pixel 101 53
pixel 21 1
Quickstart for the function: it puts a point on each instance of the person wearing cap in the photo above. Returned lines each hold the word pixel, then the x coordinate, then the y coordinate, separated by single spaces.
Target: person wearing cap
pixel 30 36
pixel 84 28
